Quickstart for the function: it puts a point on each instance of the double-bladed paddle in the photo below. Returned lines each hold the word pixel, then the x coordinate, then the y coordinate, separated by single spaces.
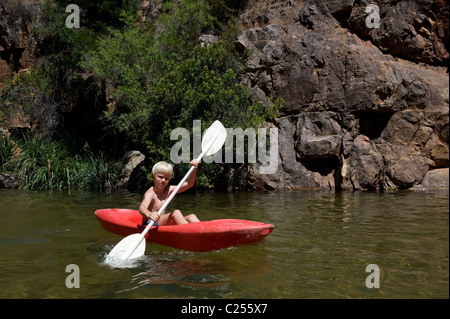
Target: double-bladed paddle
pixel 133 246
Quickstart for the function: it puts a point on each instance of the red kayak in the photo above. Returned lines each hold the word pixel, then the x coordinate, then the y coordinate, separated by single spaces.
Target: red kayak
pixel 201 236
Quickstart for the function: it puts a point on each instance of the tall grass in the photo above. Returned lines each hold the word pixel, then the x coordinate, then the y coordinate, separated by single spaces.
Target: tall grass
pixel 6 150
pixel 44 164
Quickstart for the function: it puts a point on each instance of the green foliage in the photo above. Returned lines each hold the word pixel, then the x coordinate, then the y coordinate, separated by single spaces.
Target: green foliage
pixel 60 46
pixel 6 150
pixel 26 99
pixel 126 62
pixel 179 27
pixel 45 164
pixel 94 172
pixel 161 79
pixel 64 48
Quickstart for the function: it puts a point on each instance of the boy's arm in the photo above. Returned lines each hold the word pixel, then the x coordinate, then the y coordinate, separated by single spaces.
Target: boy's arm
pixel 143 208
pixel 191 179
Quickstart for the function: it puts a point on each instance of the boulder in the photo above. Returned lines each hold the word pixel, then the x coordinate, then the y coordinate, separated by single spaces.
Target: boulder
pixel 8 181
pixel 436 178
pixel 319 135
pixel 128 163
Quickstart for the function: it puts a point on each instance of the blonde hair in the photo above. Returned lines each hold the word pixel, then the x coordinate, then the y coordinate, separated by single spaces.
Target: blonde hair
pixel 162 167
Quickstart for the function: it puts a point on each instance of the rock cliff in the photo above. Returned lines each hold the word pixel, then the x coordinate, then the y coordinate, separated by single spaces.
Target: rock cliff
pixel 16 41
pixel 365 107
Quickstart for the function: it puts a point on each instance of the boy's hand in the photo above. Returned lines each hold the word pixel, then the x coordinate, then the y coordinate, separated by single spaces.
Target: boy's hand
pixel 154 216
pixel 195 163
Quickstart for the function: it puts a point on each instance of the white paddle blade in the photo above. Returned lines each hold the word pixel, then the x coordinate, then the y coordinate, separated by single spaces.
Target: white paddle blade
pixel 217 133
pixel 121 249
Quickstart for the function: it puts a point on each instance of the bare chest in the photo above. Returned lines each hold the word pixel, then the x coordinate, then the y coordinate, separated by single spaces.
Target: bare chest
pixel 158 200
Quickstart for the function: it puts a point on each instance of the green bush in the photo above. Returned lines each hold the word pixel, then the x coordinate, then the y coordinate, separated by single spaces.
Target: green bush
pixel 160 78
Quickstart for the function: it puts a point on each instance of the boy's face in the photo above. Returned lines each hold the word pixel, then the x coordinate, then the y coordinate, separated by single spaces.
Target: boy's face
pixel 161 179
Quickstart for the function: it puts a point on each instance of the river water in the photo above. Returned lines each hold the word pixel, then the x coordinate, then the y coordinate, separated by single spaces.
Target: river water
pixel 320 247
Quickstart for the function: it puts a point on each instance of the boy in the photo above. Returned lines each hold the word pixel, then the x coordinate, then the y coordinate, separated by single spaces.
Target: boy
pixel 156 195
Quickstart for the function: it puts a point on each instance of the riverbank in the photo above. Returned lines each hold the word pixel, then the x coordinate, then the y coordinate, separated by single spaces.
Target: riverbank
pixel 35 163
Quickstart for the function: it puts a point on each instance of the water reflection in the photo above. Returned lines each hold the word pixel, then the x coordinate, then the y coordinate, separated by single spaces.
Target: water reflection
pixel 197 275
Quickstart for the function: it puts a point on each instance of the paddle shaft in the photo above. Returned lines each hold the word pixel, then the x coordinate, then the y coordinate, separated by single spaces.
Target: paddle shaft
pixel 166 203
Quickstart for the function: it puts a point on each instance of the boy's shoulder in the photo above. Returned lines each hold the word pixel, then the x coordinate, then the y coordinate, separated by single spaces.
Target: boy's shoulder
pixel 149 191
